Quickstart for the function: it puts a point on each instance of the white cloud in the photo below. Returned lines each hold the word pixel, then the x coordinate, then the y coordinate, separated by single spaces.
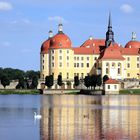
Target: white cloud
pixel 126 8
pixel 57 18
pixel 23 20
pixel 5 6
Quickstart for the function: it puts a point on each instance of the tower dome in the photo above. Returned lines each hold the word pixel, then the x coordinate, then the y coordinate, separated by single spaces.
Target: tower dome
pixel 133 43
pixel 60 40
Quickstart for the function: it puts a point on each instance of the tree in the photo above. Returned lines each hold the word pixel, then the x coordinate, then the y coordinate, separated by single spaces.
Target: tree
pixel 21 83
pixel 59 80
pixel 34 82
pixel 5 81
pixel 76 81
pixel 87 81
pixel 93 81
pixel 99 80
pixel 105 78
pixel 49 81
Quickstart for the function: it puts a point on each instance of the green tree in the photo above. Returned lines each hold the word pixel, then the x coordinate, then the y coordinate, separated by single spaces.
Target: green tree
pixel 105 78
pixel 5 81
pixel 99 80
pixel 76 81
pixel 21 83
pixel 49 81
pixel 93 81
pixel 59 80
pixel 87 81
pixel 34 82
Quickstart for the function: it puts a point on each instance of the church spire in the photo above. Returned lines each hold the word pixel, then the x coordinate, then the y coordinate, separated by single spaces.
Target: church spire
pixel 50 33
pixel 109 33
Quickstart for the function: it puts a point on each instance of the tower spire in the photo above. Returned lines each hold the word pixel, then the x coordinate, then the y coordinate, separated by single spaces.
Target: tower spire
pixel 110 21
pixel 109 33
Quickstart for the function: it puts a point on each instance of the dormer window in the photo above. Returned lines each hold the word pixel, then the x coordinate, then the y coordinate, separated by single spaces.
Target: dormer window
pixel 60 44
pixel 87 46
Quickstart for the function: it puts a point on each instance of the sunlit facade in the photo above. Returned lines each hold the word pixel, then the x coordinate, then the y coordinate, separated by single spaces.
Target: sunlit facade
pixel 94 56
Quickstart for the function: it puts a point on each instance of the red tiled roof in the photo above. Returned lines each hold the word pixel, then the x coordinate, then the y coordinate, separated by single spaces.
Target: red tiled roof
pixel 130 51
pixel 45 46
pixel 133 44
pixel 60 41
pixel 83 50
pixel 112 81
pixel 112 52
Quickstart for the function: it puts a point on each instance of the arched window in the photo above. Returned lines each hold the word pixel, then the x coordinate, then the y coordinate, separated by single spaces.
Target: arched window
pixel 107 64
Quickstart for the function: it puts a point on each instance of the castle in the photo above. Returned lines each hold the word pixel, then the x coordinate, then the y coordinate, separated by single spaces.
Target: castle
pixel 94 56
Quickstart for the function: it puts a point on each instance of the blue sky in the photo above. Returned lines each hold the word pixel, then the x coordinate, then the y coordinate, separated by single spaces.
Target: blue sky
pixel 24 25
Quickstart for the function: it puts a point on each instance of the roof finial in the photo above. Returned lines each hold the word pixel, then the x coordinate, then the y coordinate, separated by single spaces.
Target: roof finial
pixel 134 36
pixel 50 33
pixel 60 26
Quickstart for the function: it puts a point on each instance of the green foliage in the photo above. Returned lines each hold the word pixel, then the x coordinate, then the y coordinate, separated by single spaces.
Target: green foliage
pixel 34 82
pixel 93 81
pixel 87 81
pixel 49 81
pixel 99 80
pixel 31 74
pixel 105 78
pixel 5 81
pixel 76 81
pixel 59 80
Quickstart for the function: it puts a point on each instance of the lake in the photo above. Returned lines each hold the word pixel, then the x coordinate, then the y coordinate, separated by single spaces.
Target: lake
pixel 70 117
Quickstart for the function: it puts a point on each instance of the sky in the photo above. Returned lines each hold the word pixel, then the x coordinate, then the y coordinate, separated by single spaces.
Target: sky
pixel 24 25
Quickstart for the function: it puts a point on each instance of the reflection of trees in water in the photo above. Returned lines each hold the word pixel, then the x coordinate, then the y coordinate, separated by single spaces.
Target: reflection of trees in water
pixel 82 117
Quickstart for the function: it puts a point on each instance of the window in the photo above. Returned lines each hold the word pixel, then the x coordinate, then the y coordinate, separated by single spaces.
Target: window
pixel 87 65
pixel 95 58
pixel 107 71
pixel 82 58
pixel 113 64
pixel 82 75
pixel 128 65
pixel 107 64
pixel 60 51
pixel 67 57
pixel 108 86
pixel 138 59
pixel 77 58
pixel 115 86
pixel 74 74
pixel 138 65
pixel 60 64
pixel 60 44
pixel 52 73
pixel 67 75
pixel 75 65
pixel 78 74
pixel 67 64
pixel 128 58
pixel 60 57
pixel 119 71
pixel 52 57
pixel 43 61
pixel 119 64
pixel 67 51
pixel 43 67
pixel 60 73
pixel 43 55
pixel 82 65
pixel 52 51
pixel 74 58
pixel 128 74
pixel 87 58
pixel 52 64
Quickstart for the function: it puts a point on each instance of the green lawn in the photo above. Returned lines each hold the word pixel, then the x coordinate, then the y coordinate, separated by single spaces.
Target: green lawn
pixel 130 91
pixel 18 91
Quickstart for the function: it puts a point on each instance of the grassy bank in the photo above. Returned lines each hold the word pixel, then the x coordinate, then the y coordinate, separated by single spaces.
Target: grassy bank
pixel 19 91
pixel 130 91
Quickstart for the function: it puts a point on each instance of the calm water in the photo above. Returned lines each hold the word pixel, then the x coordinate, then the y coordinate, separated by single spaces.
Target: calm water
pixel 70 117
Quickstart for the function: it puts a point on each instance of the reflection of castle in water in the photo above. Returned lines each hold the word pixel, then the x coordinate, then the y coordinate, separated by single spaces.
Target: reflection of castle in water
pixel 90 117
